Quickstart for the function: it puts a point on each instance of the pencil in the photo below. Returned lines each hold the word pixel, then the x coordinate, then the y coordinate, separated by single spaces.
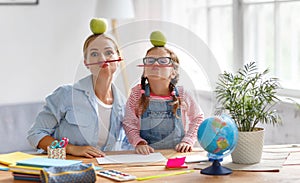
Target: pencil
pixel 164 175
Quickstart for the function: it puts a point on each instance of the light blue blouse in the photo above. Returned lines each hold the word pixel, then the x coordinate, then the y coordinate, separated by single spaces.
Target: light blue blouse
pixel 72 111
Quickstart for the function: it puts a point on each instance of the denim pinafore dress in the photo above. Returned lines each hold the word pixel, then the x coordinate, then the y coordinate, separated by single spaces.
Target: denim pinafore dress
pixel 159 126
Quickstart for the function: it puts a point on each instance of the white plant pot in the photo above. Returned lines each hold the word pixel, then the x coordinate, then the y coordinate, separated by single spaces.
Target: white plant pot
pixel 249 147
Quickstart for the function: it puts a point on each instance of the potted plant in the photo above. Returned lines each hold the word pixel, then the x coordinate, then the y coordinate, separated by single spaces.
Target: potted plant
pixel 249 98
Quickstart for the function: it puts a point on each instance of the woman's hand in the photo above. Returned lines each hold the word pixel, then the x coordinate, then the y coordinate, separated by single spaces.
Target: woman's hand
pixel 86 151
pixel 143 148
pixel 183 147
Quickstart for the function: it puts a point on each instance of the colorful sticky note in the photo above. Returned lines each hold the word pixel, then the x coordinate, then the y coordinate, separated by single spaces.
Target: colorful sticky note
pixel 177 162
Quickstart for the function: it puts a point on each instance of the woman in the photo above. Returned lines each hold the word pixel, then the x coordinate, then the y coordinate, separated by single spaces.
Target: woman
pixel 88 113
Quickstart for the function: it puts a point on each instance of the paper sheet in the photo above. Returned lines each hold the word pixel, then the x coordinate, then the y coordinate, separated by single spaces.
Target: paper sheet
pixel 293 159
pixel 282 148
pixel 131 158
pixel 47 162
pixel 3 168
pixel 195 158
pixel 12 158
pixel 270 162
pixel 273 158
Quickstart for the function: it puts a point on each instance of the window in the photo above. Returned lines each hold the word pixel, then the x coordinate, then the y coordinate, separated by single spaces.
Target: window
pixel 272 38
pixel 240 31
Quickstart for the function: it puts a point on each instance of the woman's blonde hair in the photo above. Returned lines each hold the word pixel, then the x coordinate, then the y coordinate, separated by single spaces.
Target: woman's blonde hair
pixel 92 37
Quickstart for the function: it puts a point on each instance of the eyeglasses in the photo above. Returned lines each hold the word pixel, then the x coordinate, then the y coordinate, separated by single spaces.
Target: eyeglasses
pixel 160 60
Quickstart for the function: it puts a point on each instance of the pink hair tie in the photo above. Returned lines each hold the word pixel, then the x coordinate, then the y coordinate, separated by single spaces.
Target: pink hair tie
pixel 142 91
pixel 173 93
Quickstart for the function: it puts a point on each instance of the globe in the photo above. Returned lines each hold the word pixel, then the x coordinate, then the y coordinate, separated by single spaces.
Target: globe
pixel 218 136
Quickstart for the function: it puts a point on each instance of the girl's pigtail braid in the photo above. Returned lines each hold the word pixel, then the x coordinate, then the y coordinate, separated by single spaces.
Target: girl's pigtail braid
pixel 176 100
pixel 144 101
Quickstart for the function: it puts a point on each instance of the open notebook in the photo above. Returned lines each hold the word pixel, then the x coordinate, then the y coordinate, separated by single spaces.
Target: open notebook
pixel 132 158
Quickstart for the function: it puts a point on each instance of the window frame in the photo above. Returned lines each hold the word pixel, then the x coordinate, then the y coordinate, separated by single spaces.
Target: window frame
pixel 238 38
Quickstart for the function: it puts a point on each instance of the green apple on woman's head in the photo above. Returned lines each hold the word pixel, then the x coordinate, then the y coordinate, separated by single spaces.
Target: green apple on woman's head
pixel 157 38
pixel 98 25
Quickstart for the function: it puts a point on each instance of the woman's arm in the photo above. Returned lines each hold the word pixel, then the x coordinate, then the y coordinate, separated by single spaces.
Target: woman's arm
pixel 86 151
pixel 48 119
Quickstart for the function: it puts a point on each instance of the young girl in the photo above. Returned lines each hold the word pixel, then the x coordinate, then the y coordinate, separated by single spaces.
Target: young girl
pixel 156 111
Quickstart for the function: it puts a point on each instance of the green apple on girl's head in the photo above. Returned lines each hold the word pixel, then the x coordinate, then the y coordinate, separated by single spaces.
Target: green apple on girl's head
pixel 158 39
pixel 98 25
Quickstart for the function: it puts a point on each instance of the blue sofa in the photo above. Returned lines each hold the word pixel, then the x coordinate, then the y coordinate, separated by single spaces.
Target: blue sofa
pixel 15 120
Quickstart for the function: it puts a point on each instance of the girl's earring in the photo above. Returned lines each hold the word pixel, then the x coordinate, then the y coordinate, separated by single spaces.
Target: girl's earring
pixel 173 93
pixel 173 74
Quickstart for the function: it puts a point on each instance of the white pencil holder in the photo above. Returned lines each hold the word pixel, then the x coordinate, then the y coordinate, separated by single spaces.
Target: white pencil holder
pixel 56 153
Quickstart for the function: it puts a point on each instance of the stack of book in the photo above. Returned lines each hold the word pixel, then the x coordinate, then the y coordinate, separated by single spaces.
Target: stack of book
pixel 29 173
pixel 30 169
pixel 20 172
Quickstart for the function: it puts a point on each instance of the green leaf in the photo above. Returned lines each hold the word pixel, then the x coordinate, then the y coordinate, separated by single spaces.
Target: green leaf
pixel 248 96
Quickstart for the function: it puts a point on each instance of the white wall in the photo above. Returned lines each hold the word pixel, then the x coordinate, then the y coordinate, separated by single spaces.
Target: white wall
pixel 41 47
pixel 288 131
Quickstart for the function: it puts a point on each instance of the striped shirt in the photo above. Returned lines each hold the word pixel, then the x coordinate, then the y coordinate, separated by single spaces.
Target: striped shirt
pixel 191 115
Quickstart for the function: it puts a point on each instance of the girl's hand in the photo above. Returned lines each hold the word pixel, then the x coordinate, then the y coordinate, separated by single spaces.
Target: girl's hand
pixel 86 151
pixel 143 148
pixel 183 147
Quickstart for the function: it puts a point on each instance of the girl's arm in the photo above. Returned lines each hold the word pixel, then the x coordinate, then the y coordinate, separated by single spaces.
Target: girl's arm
pixel 131 122
pixel 195 117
